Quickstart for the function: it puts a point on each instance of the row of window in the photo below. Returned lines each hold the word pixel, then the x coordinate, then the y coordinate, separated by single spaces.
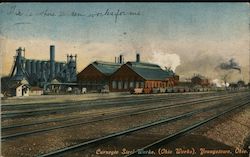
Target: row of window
pixel 154 84
pixel 127 84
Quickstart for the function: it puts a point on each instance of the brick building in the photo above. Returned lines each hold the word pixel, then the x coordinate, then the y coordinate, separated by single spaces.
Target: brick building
pixel 97 74
pixel 121 76
pixel 141 75
pixel 200 80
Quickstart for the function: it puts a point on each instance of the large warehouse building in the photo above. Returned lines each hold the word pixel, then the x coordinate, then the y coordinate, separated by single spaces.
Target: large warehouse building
pixel 121 76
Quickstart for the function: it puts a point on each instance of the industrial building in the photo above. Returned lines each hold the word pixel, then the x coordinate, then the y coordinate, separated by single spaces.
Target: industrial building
pixel 200 80
pixel 97 74
pixel 141 75
pixel 120 76
pixel 41 72
pixel 38 75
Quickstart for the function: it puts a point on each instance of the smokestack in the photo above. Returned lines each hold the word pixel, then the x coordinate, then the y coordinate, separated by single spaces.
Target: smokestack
pixel 115 59
pixel 120 59
pixel 52 61
pixel 137 57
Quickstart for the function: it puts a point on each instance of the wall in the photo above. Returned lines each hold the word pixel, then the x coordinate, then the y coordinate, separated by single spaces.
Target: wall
pixel 92 79
pixel 125 79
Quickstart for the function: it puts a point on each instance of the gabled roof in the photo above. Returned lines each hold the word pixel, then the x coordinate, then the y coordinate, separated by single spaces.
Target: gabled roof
pixel 106 68
pixel 150 71
pixel 54 81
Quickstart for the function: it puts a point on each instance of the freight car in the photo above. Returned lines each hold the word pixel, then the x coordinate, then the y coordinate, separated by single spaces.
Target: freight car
pixel 176 89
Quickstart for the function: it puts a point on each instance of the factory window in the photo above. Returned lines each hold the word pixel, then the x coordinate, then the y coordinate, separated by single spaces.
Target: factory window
pixel 131 84
pixel 142 84
pixel 114 84
pixel 137 84
pixel 120 85
pixel 125 84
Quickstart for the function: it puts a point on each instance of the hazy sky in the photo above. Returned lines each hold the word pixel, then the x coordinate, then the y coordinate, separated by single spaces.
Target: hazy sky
pixel 189 37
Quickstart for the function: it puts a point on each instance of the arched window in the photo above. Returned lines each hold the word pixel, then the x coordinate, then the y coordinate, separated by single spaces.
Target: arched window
pixel 119 84
pixel 126 84
pixel 142 84
pixel 131 84
pixel 114 86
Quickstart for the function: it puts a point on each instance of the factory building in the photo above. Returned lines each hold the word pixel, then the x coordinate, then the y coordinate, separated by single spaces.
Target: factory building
pixel 42 72
pixel 141 75
pixel 97 74
pixel 120 76
pixel 200 80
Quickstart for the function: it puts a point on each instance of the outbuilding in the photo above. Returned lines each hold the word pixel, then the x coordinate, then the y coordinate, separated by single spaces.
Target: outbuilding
pixel 19 88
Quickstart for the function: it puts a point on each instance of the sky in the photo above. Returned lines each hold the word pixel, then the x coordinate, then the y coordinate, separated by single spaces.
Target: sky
pixel 188 37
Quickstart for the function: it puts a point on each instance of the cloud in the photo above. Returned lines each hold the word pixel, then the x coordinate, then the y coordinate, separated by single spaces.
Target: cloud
pixel 165 59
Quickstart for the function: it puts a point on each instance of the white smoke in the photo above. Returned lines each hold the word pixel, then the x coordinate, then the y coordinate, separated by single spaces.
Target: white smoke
pixel 165 60
pixel 219 83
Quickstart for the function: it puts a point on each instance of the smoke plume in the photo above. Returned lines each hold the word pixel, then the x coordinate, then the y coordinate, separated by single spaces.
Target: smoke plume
pixel 219 83
pixel 231 64
pixel 165 60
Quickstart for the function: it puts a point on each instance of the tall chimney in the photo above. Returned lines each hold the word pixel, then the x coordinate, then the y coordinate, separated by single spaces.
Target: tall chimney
pixel 115 59
pixel 52 61
pixel 120 59
pixel 137 57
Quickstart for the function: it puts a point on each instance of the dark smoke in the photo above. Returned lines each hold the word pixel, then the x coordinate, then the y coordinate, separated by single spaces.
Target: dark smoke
pixel 231 64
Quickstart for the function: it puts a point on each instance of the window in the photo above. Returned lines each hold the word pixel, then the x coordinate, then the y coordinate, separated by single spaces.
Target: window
pixel 120 85
pixel 131 84
pixel 125 84
pixel 114 84
pixel 137 84
pixel 142 84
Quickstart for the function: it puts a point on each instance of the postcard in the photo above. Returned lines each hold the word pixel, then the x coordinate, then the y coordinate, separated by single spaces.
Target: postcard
pixel 125 79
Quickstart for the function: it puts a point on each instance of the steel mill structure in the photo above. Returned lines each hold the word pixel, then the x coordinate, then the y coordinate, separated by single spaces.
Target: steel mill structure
pixel 41 72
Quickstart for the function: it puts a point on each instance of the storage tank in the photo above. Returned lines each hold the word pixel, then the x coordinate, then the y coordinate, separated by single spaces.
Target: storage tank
pixel 57 68
pixel 33 66
pixel 28 66
pixel 38 68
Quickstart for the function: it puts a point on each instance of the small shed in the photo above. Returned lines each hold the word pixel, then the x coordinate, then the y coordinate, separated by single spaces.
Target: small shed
pixel 19 89
pixel 36 91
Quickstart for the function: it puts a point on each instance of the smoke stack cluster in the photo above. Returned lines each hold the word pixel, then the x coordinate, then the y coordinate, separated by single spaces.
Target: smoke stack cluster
pixel 119 59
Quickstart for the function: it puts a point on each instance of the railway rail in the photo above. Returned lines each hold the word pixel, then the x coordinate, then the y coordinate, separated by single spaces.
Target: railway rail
pixel 77 117
pixel 110 115
pixel 77 107
pixel 219 110
pixel 184 131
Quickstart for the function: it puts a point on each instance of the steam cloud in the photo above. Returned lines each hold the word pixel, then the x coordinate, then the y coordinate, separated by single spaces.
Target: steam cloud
pixel 219 83
pixel 166 60
pixel 231 64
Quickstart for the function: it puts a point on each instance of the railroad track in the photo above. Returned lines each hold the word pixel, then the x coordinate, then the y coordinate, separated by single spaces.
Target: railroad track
pixel 218 109
pixel 127 97
pixel 184 131
pixel 78 107
pixel 96 114
pixel 109 117
pixel 75 106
